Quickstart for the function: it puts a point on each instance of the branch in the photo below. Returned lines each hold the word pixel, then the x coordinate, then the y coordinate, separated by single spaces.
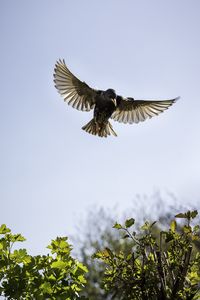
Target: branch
pixel 182 274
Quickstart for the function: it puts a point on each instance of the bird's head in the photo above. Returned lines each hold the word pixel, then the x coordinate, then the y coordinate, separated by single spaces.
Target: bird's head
pixel 111 93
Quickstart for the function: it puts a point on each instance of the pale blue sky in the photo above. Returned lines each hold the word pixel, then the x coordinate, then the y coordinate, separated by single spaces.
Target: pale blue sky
pixel 51 171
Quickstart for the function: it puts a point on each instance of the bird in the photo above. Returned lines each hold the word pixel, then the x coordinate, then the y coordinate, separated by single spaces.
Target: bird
pixel 106 104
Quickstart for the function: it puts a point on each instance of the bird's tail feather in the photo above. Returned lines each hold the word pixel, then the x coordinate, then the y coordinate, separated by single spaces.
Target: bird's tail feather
pixel 102 130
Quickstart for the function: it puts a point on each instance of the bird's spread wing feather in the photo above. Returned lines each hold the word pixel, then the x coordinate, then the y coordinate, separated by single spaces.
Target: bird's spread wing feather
pixel 134 111
pixel 75 92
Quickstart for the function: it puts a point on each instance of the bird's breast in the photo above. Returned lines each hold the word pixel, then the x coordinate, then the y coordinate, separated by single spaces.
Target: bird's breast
pixel 103 110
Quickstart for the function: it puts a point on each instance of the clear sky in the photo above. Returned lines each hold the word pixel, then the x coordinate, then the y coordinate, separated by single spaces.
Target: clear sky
pixel 51 171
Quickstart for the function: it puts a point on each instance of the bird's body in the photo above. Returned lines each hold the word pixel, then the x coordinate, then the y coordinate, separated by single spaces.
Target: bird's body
pixel 104 108
pixel 106 104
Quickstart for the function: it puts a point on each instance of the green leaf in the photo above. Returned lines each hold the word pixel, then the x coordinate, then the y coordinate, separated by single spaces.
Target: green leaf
pixel 4 229
pixel 173 226
pixel 195 238
pixel 193 214
pixel 82 267
pixel 187 229
pixel 181 215
pixel 196 228
pixel 46 288
pixel 103 254
pixel 3 244
pixel 188 215
pixel 59 264
pixel 130 256
pixel 19 238
pixel 98 255
pixel 80 270
pixel 20 255
pixel 110 253
pixel 63 244
pixel 82 279
pixel 146 226
pixel 117 226
pixel 129 222
pixel 52 277
pixel 169 237
pixel 60 245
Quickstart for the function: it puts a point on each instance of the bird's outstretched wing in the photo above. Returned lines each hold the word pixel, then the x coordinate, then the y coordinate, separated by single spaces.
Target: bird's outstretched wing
pixel 75 92
pixel 134 111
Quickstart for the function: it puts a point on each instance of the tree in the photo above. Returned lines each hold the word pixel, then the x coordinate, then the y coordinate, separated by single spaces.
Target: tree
pixel 144 263
pixel 53 276
pixel 97 234
pixel 168 270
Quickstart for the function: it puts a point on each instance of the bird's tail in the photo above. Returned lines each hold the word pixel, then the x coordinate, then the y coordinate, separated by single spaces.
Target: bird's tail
pixel 102 130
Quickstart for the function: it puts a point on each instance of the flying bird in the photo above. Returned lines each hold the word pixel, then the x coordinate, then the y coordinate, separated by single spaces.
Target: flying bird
pixel 106 104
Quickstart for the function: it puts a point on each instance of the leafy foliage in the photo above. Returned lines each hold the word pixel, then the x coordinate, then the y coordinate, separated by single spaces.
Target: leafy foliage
pixel 155 269
pixel 97 233
pixel 53 276
pixel 94 235
pixel 145 264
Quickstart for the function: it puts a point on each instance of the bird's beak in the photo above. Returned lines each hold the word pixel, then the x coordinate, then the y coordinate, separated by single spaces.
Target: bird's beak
pixel 114 101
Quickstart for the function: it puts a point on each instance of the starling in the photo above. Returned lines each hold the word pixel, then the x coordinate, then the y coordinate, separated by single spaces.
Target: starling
pixel 106 104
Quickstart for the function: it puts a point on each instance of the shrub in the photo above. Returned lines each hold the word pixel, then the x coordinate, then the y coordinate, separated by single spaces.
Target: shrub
pixel 161 268
pixel 53 276
pixel 153 264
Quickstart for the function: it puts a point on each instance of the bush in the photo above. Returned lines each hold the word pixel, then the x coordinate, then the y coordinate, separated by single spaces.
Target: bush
pixel 53 276
pixel 161 268
pixel 152 264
